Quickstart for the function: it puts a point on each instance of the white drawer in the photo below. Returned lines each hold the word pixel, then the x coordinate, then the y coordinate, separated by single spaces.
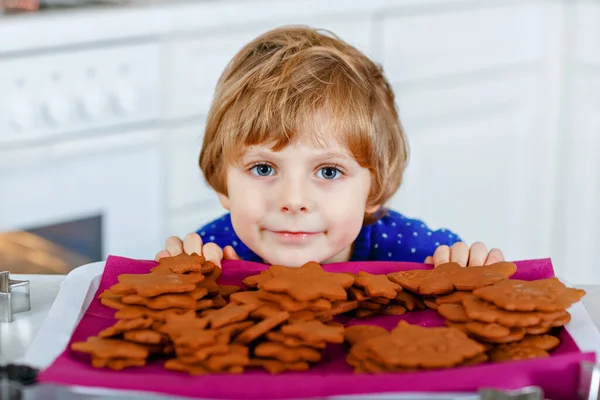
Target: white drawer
pixel 587 32
pixel 193 68
pixel 461 41
pixel 453 99
pixel 185 183
pixel 49 94
pixel 194 64
pixel 485 172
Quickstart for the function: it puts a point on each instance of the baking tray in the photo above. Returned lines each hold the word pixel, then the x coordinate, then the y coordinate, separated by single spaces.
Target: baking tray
pixel 80 286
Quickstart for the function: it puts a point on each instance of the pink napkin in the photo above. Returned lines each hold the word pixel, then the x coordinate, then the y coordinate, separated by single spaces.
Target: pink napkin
pixel 332 376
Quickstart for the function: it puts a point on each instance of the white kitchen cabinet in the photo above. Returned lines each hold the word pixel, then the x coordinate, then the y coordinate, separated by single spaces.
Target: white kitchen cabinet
pixel 578 212
pixel 194 63
pixel 461 40
pixel 468 94
pixel 475 170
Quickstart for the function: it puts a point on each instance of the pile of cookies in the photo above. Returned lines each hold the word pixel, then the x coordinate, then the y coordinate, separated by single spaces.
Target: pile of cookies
pixel 410 347
pixel 307 292
pixel 375 294
pixel 180 313
pixel 510 317
pixel 185 316
pixel 176 285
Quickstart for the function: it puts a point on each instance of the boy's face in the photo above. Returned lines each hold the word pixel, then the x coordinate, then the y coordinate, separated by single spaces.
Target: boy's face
pixel 299 204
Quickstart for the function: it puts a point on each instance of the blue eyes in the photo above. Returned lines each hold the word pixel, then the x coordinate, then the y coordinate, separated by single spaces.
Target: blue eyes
pixel 329 173
pixel 262 169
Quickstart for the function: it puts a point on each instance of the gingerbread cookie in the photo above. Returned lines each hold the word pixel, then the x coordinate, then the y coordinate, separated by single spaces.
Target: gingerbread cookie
pixel 229 314
pixel 262 328
pixel 544 342
pixel 286 354
pixel 356 333
pixel 111 348
pixel 313 331
pixel 308 282
pixel 449 277
pixel 162 302
pixel 377 285
pixel 453 312
pixel 274 366
pixel 182 263
pixel 452 298
pixel 409 301
pixel 123 326
pixel 516 351
pixel 150 285
pixel 543 295
pixel 412 346
pixel 293 341
pixel 481 310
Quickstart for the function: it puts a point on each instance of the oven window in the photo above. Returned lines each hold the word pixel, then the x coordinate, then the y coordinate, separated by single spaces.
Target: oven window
pixel 52 249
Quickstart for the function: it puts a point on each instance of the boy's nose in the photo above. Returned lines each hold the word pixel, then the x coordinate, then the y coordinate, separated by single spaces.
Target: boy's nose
pixel 293 208
pixel 294 198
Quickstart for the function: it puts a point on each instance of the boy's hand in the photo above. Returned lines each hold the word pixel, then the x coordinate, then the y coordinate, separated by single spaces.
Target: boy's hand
pixel 230 254
pixel 460 253
pixel 192 243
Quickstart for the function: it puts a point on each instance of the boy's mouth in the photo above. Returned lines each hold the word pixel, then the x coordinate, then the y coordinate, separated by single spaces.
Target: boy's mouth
pixel 294 236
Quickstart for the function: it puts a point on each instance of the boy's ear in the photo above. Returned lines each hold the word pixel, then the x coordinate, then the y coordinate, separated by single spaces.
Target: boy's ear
pixel 224 201
pixel 372 209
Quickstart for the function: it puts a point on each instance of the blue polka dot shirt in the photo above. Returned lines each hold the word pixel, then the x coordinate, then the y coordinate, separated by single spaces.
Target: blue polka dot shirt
pixel 394 237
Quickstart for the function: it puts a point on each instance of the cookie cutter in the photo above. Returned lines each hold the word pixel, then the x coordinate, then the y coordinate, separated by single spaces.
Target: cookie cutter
pixel 525 393
pixel 14 297
pixel 589 381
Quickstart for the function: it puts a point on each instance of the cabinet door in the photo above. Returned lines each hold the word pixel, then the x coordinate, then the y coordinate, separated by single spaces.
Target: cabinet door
pixel 468 94
pixel 195 63
pixel 576 236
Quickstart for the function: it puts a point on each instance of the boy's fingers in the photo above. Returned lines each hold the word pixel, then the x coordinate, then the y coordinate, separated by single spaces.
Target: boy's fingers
pixel 174 246
pixel 441 255
pixel 213 253
pixel 477 254
pixel 230 254
pixel 459 253
pixel 494 256
pixel 161 254
pixel 429 260
pixel 192 243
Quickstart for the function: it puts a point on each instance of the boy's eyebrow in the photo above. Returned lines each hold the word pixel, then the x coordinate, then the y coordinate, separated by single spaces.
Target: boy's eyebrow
pixel 260 153
pixel 327 155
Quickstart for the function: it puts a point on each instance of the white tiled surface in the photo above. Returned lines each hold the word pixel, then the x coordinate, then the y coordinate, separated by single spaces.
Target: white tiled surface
pixel 16 336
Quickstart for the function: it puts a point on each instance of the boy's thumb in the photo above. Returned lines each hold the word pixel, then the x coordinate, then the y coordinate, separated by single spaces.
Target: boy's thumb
pixel 230 254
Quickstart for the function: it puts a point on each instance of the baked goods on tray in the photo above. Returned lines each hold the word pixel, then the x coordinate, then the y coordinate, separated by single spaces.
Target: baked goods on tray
pixel 284 318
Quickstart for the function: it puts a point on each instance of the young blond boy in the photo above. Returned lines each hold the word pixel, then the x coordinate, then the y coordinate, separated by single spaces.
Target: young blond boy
pixel 304 147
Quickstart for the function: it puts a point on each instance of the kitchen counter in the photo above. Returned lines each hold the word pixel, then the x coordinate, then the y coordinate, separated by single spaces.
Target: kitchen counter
pixel 16 336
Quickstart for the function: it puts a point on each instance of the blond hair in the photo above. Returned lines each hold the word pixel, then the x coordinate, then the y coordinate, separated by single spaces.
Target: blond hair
pixel 274 87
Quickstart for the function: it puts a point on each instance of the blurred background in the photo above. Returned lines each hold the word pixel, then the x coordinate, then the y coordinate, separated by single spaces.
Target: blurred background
pixel 103 104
